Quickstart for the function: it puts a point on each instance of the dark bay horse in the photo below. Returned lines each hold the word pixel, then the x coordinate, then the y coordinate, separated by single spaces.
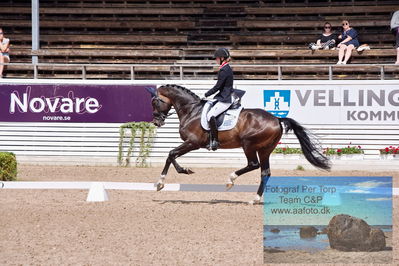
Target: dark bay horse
pixel 257 132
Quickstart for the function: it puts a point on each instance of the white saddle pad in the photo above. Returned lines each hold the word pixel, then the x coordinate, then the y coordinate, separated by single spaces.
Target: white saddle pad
pixel 229 121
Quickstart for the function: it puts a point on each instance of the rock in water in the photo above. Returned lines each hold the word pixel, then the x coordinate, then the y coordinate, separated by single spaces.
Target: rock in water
pixel 348 233
pixel 275 230
pixel 307 231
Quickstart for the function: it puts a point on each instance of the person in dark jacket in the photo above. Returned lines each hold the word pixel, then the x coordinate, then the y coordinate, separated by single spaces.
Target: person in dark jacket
pixel 224 87
pixel 326 40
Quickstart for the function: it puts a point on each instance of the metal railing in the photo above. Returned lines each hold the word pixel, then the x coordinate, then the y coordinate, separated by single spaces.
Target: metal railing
pixel 179 68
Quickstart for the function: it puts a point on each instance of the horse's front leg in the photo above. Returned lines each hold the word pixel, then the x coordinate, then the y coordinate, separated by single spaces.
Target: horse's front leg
pixel 173 154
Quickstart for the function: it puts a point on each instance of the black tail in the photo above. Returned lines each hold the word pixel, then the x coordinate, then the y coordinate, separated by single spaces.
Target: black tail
pixel 310 147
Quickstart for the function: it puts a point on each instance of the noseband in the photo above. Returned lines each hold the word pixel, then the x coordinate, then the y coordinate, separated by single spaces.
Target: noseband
pixel 160 115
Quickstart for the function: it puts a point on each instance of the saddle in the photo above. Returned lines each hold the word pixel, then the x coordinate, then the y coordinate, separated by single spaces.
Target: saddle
pixel 228 119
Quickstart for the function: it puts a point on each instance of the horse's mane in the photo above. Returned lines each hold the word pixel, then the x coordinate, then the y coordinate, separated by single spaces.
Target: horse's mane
pixel 174 86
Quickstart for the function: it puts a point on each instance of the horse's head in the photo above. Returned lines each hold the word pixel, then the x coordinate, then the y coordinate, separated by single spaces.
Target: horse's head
pixel 160 107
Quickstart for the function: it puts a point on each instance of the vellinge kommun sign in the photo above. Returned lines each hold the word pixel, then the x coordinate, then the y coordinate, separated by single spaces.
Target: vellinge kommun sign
pixel 328 104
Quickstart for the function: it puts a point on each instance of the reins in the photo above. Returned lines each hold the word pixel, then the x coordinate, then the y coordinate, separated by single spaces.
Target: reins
pixel 164 116
pixel 177 109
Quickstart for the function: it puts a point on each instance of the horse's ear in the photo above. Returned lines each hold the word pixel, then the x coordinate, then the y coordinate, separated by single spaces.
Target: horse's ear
pixel 152 90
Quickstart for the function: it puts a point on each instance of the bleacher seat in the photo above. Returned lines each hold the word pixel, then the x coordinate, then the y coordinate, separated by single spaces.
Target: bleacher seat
pixel 186 32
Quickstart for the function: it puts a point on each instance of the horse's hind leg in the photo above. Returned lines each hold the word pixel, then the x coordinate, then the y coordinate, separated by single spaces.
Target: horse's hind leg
pixel 264 156
pixel 253 164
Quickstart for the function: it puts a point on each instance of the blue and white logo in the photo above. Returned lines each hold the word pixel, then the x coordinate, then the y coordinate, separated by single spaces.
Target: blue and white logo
pixel 277 102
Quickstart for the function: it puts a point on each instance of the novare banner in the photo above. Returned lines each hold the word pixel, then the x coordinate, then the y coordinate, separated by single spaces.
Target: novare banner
pixel 74 103
pixel 327 104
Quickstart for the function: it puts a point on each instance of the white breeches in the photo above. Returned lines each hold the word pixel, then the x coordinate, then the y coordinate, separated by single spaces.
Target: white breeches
pixel 217 109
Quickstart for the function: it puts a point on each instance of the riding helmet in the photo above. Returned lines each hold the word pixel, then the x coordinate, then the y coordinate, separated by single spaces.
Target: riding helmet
pixel 222 52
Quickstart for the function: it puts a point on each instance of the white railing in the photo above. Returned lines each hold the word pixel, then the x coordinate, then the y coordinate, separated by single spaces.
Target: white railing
pixel 180 68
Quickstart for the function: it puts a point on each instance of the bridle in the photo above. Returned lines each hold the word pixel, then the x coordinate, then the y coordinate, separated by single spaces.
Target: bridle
pixel 160 115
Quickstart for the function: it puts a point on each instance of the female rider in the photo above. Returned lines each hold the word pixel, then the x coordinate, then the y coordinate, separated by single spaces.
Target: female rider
pixel 225 96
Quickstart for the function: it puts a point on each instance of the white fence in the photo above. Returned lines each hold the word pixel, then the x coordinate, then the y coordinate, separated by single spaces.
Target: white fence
pixel 94 143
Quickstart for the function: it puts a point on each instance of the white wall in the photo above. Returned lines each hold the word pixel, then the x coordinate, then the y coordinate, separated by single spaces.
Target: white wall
pixel 94 143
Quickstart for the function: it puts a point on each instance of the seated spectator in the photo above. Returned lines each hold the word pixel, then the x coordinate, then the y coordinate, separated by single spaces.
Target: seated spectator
pixel 395 29
pixel 4 51
pixel 326 40
pixel 349 42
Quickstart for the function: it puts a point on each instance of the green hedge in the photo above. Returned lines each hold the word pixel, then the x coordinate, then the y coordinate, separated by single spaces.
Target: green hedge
pixel 8 166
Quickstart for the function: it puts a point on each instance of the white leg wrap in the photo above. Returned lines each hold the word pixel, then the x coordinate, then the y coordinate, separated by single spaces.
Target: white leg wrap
pixel 231 178
pixel 161 179
pixel 256 200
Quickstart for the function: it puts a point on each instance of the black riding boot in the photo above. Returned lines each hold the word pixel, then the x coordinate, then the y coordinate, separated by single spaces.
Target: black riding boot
pixel 214 141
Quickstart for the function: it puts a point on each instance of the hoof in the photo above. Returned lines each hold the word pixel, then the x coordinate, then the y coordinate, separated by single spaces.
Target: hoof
pixel 253 202
pixel 189 171
pixel 256 200
pixel 160 186
pixel 229 186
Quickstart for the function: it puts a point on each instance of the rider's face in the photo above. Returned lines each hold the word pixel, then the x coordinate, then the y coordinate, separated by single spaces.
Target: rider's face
pixel 218 60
